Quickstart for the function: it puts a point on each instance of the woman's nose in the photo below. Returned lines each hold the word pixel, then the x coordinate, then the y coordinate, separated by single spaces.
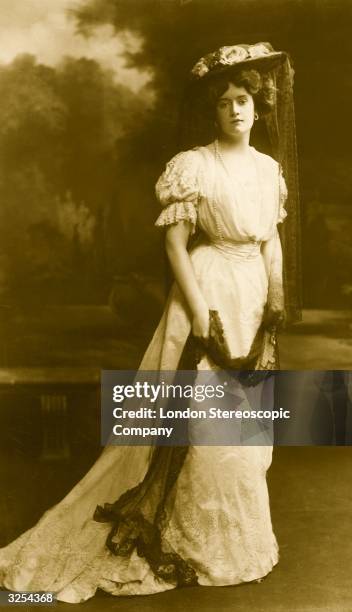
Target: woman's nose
pixel 234 108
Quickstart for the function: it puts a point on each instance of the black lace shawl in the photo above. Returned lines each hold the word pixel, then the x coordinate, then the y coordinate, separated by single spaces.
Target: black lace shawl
pixel 140 516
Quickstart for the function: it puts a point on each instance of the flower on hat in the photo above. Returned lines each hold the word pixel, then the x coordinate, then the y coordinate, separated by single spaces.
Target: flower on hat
pixel 258 50
pixel 200 69
pixel 232 55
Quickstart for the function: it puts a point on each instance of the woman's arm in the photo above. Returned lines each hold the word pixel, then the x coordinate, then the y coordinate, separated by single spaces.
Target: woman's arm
pixel 272 255
pixel 177 236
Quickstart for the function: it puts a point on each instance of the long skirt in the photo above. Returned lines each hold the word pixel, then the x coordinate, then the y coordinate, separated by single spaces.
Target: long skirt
pixel 220 522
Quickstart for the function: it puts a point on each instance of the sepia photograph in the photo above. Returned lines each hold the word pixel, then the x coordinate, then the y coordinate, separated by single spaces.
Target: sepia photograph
pixel 176 305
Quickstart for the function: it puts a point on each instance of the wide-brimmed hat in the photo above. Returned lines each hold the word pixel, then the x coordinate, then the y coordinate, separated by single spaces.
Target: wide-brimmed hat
pixel 260 56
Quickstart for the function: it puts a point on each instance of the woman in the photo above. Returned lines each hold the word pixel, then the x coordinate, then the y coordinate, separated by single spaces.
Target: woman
pixel 210 522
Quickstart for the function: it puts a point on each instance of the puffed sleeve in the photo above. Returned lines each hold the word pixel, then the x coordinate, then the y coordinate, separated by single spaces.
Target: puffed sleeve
pixel 282 198
pixel 178 189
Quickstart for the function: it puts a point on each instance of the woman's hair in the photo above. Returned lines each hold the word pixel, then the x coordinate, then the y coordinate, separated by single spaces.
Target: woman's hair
pixel 260 87
pixel 199 105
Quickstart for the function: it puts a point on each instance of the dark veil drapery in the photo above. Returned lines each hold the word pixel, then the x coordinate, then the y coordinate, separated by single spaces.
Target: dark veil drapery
pixel 280 123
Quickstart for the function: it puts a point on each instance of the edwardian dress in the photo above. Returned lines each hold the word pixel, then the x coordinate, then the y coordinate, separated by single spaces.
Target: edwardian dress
pixel 220 522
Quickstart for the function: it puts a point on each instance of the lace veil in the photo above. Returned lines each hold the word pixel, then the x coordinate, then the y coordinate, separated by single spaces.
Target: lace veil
pixel 280 123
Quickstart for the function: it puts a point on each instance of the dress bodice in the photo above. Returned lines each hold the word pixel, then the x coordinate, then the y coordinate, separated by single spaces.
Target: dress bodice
pixel 197 187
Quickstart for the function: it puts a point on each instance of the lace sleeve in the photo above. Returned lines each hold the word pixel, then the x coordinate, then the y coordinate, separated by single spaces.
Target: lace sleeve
pixel 178 190
pixel 282 198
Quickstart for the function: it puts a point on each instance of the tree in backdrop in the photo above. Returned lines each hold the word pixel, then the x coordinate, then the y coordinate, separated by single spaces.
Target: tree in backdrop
pixel 59 157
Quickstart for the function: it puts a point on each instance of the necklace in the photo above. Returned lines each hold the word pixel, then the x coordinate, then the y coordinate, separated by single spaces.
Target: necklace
pixel 252 197
pixel 214 208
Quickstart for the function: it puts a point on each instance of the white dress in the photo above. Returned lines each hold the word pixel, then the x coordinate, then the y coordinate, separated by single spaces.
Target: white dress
pixel 221 521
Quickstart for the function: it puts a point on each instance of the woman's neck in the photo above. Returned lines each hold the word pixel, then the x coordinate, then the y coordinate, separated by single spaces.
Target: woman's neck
pixel 238 146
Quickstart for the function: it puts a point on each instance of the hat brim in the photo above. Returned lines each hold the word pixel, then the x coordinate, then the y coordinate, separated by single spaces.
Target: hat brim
pixel 262 64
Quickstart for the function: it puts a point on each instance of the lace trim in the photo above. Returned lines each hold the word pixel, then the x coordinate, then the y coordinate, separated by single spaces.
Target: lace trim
pixel 139 518
pixel 176 212
pixel 180 181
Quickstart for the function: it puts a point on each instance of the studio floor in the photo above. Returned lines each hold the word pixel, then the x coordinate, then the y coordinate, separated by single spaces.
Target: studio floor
pixel 311 500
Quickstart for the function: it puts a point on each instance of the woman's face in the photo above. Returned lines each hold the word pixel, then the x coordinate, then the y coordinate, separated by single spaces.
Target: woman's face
pixel 235 112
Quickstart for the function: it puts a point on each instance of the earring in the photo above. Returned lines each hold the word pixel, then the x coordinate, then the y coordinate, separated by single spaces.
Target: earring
pixel 256 116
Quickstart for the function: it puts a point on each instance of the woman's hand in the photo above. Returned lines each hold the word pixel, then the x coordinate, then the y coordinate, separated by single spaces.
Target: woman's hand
pixel 274 318
pixel 200 324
